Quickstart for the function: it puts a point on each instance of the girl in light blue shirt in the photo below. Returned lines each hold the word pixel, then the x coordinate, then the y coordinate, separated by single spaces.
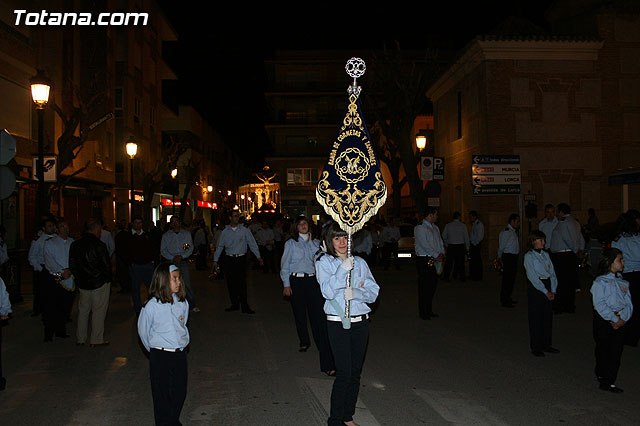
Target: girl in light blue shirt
pixel 541 290
pixel 347 344
pixel 612 309
pixel 162 327
pixel 297 271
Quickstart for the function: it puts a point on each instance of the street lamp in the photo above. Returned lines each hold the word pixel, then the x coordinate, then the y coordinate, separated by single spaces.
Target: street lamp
pixel 174 173
pixel 132 150
pixel 40 87
pixel 421 141
pixel 209 188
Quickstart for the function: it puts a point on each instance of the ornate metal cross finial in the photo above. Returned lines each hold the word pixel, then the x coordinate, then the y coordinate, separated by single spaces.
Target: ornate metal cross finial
pixel 355 68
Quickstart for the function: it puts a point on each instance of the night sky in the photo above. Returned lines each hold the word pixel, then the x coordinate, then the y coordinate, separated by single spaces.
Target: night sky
pixel 225 46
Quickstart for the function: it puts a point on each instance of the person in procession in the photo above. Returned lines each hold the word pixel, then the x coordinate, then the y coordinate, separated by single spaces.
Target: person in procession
pixel 177 247
pixel 59 290
pixel 628 242
pixel 429 251
pixel 234 240
pixel 475 249
pixel 508 250
pixel 5 310
pixel 612 309
pixel 347 344
pixel 541 290
pixel 297 271
pixel 162 327
pixel 567 244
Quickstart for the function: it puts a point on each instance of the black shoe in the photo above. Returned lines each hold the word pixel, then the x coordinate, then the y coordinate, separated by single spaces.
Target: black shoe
pixel 610 388
pixel 303 348
pixel 248 310
pixel 537 353
pixel 232 308
pixel 432 315
pixel 552 350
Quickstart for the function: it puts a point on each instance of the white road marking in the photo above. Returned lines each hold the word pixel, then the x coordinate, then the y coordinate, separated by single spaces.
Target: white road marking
pixel 459 409
pixel 320 389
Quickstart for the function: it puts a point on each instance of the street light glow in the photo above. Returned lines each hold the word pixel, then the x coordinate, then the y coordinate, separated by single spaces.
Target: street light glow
pixel 174 173
pixel 209 188
pixel 40 87
pixel 421 141
pixel 132 149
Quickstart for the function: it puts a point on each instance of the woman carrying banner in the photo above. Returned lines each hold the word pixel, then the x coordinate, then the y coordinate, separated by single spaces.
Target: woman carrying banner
pixel 348 344
pixel 297 271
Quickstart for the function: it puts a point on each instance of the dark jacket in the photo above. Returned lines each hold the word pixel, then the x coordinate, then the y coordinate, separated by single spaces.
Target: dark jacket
pixel 89 262
pixel 140 249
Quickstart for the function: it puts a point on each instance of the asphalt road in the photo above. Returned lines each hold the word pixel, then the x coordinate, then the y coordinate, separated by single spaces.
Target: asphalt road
pixel 470 366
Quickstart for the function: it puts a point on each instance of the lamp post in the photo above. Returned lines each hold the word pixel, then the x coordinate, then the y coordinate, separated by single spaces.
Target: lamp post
pixel 174 173
pixel 40 87
pixel 132 150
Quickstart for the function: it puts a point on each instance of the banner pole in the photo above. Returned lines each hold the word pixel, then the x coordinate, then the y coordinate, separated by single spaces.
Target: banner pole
pixel 347 304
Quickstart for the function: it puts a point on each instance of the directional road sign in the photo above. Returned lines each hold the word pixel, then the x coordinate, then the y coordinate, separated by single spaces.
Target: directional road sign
pixel 495 174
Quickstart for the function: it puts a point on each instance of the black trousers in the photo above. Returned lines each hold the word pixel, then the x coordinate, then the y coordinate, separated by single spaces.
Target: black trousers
pixel 540 318
pixel 427 282
pixel 510 269
pixel 268 259
pixel 475 262
pixel 632 333
pixel 168 371
pixel 566 267
pixel 307 300
pixel 455 261
pixel 236 273
pixel 609 345
pixel 37 292
pixel 388 250
pixel 55 303
pixel 201 257
pixel 348 347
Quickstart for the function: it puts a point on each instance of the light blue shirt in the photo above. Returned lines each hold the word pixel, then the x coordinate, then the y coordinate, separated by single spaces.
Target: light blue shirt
pixel 629 245
pixel 547 228
pixel 610 295
pixel 298 257
pixel 5 303
pixel 56 254
pixel 567 236
pixel 173 244
pixel 477 233
pixel 455 232
pixel 235 242
pixel 164 325
pixel 36 251
pixel 333 280
pixel 428 241
pixel 508 241
pixel 539 266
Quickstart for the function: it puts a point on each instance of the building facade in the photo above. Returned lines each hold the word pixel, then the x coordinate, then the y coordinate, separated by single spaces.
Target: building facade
pixel 569 107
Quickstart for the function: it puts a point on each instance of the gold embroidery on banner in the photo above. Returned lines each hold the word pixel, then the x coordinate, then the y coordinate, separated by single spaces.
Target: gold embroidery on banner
pixel 348 165
pixel 352 206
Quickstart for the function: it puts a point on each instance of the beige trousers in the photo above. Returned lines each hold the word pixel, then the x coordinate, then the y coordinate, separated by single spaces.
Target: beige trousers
pixel 95 302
